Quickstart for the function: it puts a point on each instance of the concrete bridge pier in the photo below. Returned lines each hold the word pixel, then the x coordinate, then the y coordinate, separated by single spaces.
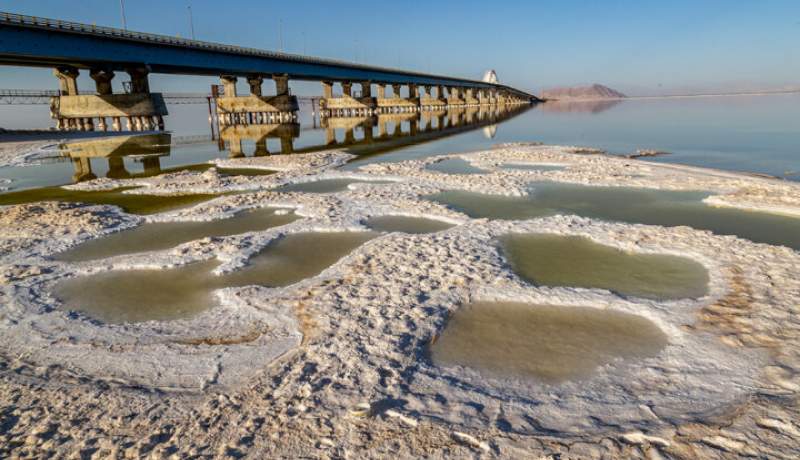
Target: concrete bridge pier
pixel 454 98
pixel 469 97
pixel 483 97
pixel 396 103
pixel 256 108
pixel 413 97
pixel 78 112
pixel 431 102
pixel 347 105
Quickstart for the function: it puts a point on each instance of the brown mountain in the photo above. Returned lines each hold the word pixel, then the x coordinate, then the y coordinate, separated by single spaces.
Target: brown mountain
pixel 582 92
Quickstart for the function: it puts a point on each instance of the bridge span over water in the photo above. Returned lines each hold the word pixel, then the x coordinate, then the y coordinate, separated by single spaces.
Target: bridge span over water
pixel 70 48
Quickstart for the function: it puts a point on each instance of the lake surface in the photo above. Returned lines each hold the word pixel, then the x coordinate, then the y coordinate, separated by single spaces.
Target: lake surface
pixel 743 133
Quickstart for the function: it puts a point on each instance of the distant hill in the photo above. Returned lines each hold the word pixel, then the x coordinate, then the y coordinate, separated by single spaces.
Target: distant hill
pixel 582 92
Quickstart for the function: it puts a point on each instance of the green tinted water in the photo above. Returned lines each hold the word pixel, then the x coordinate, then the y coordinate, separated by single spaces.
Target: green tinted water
pixel 124 296
pixel 632 205
pixel 245 172
pixel 129 202
pixel 554 260
pixel 163 235
pixel 548 343
pixel 405 224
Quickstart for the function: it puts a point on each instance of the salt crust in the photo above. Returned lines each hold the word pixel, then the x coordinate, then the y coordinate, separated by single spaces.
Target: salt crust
pixel 364 323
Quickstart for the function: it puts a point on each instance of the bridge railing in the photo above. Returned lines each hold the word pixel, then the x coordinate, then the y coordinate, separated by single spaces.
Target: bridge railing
pixel 28 92
pixel 34 21
pixel 42 96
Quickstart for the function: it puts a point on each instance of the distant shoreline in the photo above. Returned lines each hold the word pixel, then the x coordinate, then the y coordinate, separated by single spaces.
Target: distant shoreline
pixel 748 93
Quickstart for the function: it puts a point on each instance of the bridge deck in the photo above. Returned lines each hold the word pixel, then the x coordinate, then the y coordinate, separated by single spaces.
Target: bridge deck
pixel 31 41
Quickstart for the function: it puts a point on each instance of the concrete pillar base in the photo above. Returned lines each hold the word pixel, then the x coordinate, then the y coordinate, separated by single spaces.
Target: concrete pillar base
pixel 252 109
pixel 347 106
pixel 79 112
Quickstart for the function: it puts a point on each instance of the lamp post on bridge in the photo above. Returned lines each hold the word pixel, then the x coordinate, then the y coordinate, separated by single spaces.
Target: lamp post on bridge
pixel 122 10
pixel 191 20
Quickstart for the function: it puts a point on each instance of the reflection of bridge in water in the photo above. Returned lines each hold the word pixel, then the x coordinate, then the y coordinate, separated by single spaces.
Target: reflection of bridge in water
pixel 370 134
pixel 363 136
pixel 146 149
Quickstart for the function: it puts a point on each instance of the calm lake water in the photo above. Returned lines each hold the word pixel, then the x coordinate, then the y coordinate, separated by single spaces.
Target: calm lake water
pixel 743 133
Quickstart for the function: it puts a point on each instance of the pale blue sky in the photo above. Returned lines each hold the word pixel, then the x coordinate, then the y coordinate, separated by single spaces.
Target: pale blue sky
pixel 636 46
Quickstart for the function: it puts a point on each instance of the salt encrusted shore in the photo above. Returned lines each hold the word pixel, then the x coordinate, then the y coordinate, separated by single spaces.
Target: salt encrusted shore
pixel 335 366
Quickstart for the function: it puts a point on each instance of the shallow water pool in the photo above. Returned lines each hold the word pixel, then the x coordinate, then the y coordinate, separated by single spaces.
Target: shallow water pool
pixel 129 202
pixel 163 235
pixel 127 296
pixel 555 260
pixel 551 344
pixel 627 204
pixel 406 224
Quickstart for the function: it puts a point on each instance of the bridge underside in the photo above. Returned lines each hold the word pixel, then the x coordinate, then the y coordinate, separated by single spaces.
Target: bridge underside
pixel 70 48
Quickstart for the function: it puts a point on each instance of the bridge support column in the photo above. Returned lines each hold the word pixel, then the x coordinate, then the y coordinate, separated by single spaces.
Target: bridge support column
pixel 431 102
pixel 255 83
pixel 67 80
pixel 470 100
pixel 395 103
pixel 281 85
pixel 228 85
pixel 75 111
pixel 454 98
pixel 347 105
pixel 140 82
pixel 256 108
pixel 102 81
pixel 413 97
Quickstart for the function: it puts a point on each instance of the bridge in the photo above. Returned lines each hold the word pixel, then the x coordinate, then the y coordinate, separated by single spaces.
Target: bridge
pixel 70 48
